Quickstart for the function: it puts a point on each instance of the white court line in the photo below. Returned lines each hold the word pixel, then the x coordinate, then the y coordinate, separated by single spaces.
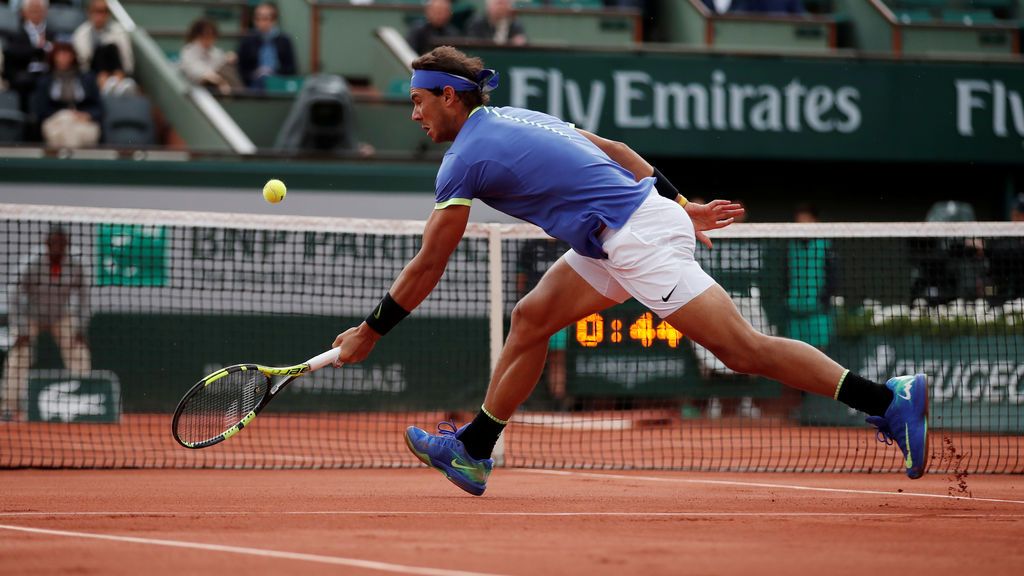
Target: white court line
pixel 399 513
pixel 337 560
pixel 762 485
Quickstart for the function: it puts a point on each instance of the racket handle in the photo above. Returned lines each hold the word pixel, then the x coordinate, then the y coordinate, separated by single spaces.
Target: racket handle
pixel 319 361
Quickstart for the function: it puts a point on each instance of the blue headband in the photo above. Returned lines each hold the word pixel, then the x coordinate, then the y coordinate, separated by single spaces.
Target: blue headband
pixel 487 80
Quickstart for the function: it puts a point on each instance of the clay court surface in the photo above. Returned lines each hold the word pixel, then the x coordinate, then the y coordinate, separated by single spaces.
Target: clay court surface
pixel 530 522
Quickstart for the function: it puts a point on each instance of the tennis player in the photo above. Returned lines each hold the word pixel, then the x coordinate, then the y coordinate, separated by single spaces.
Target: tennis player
pixel 631 235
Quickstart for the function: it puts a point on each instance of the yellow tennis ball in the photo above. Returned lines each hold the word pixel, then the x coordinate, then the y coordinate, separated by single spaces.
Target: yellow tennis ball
pixel 274 191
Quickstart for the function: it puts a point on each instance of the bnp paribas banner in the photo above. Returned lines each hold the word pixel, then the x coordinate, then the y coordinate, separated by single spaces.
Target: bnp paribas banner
pixel 773 107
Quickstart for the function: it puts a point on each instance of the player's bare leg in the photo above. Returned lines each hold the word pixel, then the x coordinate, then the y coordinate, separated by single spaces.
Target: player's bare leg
pixel 712 320
pixel 899 408
pixel 559 299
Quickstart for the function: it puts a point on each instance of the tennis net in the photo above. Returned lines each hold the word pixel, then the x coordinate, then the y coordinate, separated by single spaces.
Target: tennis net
pixel 101 344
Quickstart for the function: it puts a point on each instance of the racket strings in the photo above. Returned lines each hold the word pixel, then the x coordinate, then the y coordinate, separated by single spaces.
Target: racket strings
pixel 221 405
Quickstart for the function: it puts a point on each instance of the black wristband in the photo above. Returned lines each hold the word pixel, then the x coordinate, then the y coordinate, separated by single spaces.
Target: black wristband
pixel 386 315
pixel 665 188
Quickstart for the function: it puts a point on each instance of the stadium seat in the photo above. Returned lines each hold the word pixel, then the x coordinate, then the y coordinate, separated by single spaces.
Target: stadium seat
pixel 128 121
pixel 8 23
pixel 913 16
pixel 321 117
pixel 909 5
pixel 968 17
pixel 570 4
pixel 819 6
pixel 283 84
pixel 12 120
pixel 992 4
pixel 64 19
pixel 399 87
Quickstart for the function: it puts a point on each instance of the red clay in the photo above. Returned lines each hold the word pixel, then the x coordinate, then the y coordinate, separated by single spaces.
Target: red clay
pixel 608 523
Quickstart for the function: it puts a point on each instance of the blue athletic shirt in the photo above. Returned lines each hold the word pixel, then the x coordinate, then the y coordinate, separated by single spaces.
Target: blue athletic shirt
pixel 539 169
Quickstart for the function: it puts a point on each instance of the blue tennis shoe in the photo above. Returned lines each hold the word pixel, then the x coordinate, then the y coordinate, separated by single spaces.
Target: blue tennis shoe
pixel 445 453
pixel 906 421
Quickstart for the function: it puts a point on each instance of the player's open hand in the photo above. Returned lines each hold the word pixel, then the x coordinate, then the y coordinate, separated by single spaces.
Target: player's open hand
pixel 355 343
pixel 711 216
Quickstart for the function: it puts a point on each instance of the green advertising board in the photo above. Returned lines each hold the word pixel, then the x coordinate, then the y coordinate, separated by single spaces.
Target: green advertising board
pixel 716 105
pixel 59 396
pixel 427 363
pixel 131 255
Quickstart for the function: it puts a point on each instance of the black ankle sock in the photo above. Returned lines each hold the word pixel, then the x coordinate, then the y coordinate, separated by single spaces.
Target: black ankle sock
pixel 864 395
pixel 481 435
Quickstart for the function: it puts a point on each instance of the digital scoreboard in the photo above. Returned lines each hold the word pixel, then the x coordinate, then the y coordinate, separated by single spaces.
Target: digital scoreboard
pixel 603 330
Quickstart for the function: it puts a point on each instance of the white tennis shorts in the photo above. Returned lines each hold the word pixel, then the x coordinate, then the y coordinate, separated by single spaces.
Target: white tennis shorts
pixel 650 259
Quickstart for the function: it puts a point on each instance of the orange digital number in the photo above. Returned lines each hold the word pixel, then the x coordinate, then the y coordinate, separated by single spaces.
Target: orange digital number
pixel 643 330
pixel 590 331
pixel 669 334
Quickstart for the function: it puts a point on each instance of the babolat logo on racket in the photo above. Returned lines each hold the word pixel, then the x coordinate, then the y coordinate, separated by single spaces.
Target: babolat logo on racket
pixel 291 372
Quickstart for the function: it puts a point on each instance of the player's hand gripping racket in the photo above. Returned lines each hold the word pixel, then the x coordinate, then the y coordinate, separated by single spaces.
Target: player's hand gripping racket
pixel 224 402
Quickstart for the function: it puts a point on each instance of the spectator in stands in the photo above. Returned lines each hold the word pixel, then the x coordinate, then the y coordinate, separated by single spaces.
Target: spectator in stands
pixel 67 102
pixel 26 51
pixel 429 33
pixel 103 48
pixel 265 51
pixel 205 64
pixel 811 279
pixel 41 300
pixel 498 25
pixel 766 6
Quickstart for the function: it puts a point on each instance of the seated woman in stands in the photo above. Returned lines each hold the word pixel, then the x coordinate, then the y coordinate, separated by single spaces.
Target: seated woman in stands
pixel 205 64
pixel 67 102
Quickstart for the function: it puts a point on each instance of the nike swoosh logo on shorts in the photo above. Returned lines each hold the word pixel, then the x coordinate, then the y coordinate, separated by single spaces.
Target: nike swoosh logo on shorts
pixel 669 295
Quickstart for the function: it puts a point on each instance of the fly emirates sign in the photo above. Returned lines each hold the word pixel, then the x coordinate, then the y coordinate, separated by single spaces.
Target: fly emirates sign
pixel 636 99
pixel 639 101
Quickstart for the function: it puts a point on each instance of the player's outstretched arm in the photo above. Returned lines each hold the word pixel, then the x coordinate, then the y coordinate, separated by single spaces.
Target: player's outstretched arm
pixel 441 236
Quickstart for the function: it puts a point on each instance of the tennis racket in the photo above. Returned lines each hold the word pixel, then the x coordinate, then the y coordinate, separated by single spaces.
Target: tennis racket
pixel 223 403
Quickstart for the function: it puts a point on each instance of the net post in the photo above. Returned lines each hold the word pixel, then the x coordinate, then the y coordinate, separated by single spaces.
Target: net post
pixel 496 313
